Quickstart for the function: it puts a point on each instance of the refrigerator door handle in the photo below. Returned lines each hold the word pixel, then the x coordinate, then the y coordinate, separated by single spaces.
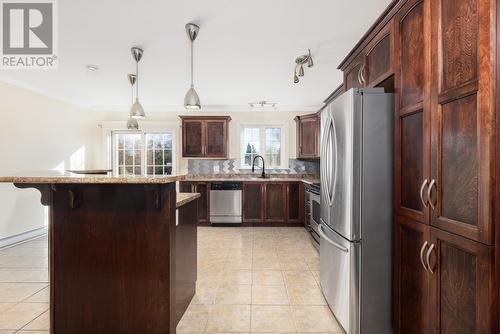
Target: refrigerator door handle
pixel 331 161
pixel 330 241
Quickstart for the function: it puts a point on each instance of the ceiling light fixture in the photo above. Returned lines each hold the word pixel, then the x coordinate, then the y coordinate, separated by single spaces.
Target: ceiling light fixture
pixel 92 68
pixel 262 105
pixel 137 111
pixel 192 100
pixel 132 123
pixel 300 61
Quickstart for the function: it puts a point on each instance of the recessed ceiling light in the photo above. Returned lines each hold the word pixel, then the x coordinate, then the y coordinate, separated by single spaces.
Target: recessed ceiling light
pixel 92 68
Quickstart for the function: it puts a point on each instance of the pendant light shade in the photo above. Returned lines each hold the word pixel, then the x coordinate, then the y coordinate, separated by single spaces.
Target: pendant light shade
pixel 192 100
pixel 132 124
pixel 301 71
pixel 137 111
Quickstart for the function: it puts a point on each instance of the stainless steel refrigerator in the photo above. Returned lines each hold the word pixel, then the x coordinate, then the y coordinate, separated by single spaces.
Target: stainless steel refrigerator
pixel 356 209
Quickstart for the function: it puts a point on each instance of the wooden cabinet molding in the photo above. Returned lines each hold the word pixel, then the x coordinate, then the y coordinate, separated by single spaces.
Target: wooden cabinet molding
pixel 205 136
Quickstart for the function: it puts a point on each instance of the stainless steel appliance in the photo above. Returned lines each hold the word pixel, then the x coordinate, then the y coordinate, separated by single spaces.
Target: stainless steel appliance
pixel 226 203
pixel 356 209
pixel 312 209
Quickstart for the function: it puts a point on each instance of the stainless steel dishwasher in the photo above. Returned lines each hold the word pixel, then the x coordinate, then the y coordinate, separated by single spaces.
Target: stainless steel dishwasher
pixel 226 203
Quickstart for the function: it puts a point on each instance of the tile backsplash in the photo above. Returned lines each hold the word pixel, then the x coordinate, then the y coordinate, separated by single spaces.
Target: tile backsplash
pixel 230 166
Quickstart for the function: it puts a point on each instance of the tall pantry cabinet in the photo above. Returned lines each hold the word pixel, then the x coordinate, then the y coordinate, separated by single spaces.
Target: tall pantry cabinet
pixel 444 71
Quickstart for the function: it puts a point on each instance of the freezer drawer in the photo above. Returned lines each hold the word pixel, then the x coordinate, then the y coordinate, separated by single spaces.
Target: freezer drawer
pixel 340 277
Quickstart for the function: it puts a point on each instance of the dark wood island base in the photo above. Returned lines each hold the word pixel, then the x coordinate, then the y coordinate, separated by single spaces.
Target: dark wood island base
pixel 117 263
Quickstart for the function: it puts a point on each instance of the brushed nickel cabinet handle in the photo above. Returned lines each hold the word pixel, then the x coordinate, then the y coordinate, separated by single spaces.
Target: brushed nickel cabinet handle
pixel 363 78
pixel 359 76
pixel 428 257
pixel 424 203
pixel 422 255
pixel 429 193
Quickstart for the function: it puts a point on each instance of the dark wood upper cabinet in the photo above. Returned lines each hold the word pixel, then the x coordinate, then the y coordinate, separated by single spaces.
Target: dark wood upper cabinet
pixel 352 74
pixel 253 202
pixel 205 136
pixel 275 202
pixel 378 58
pixel 192 138
pixel 412 123
pixel 411 288
pixel 308 129
pixel 461 285
pixel 295 202
pixel 216 138
pixel 463 127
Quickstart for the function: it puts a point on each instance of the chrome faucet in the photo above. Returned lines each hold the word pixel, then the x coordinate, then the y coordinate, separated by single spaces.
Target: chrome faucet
pixel 263 165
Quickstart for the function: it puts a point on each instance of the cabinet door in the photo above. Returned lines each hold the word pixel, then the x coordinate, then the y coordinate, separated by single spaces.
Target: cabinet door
pixel 186 187
pixel 275 202
pixel 462 119
pixel 308 137
pixel 203 203
pixel 253 198
pixel 215 138
pixel 352 77
pixel 412 127
pixel 379 57
pixel 411 286
pixel 192 138
pixel 461 285
pixel 295 202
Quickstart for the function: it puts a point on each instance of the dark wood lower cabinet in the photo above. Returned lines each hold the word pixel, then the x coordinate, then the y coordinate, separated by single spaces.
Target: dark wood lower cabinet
pixel 295 202
pixel 411 289
pixel 253 202
pixel 279 203
pixel 275 202
pixel 444 283
pixel 461 285
pixel 203 202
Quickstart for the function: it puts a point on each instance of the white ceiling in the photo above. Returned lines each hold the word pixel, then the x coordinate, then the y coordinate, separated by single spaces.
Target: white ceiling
pixel 245 51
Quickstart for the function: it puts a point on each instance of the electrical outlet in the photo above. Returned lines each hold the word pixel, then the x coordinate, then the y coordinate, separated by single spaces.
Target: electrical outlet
pixel 216 169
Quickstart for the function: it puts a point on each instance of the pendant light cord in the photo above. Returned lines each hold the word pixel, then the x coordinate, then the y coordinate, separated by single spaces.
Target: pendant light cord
pixel 137 80
pixel 192 64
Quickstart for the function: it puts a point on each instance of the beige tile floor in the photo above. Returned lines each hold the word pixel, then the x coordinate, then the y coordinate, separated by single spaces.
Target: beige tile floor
pixel 250 279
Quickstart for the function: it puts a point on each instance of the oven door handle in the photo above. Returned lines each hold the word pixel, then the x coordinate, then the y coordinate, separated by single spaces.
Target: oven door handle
pixel 330 241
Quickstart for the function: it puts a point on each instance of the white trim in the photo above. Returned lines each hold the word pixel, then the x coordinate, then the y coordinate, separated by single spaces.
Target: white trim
pixel 284 142
pixel 23 237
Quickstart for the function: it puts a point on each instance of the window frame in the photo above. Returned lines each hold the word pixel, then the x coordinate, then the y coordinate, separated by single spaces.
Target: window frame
pixel 146 127
pixel 262 142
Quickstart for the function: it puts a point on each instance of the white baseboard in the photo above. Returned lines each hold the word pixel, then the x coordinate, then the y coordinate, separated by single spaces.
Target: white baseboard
pixel 22 237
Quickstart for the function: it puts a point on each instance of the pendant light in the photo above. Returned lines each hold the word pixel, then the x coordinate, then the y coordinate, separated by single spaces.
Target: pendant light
pixel 192 100
pixel 137 111
pixel 132 123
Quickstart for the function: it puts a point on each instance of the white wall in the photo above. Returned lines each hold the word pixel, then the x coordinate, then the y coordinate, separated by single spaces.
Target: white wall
pixel 37 133
pixel 172 119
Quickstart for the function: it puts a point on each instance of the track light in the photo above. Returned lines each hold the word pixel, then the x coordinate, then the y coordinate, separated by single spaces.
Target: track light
pixel 300 61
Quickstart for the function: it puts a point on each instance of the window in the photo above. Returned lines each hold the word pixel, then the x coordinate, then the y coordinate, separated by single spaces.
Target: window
pixel 262 140
pixel 142 153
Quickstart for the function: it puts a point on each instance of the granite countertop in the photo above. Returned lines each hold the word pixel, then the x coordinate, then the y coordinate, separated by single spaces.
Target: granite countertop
pixel 185 198
pixel 306 178
pixel 53 177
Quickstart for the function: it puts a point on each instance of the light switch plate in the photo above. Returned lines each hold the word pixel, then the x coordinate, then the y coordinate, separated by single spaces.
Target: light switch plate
pixel 216 169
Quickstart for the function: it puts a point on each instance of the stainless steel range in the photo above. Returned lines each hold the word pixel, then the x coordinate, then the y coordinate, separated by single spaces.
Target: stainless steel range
pixel 312 208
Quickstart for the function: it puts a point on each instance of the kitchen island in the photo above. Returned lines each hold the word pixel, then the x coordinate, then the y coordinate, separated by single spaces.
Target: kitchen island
pixel 118 261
